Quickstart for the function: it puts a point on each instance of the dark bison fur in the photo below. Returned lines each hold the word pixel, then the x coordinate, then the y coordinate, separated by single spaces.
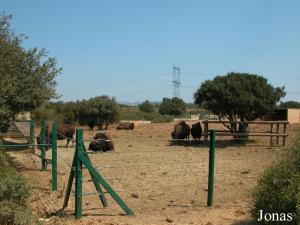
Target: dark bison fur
pixel 196 131
pixel 64 131
pixel 101 143
pixel 181 131
pixel 125 126
pixel 91 124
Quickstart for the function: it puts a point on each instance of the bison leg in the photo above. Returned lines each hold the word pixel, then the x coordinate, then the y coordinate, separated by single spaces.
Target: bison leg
pixel 68 140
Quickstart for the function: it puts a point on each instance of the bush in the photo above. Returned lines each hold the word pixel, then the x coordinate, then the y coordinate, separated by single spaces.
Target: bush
pixel 146 107
pixel 14 192
pixel 278 190
pixel 174 106
pixel 14 189
pixel 13 214
pixel 153 116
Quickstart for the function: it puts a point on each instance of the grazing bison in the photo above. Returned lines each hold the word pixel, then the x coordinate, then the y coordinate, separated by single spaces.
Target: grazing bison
pixel 63 131
pixel 91 124
pixel 101 143
pixel 181 131
pixel 125 126
pixel 196 131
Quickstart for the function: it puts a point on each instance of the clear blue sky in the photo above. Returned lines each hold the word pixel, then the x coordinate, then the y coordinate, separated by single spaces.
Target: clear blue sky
pixel 127 48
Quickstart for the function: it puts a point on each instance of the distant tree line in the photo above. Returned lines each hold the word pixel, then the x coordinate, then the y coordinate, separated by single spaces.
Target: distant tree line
pixel 100 111
pixel 290 104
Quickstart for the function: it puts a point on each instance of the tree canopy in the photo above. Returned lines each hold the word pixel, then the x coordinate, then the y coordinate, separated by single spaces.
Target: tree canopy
pixel 238 96
pixel 290 104
pixel 27 75
pixel 174 106
pixel 146 107
pixel 100 109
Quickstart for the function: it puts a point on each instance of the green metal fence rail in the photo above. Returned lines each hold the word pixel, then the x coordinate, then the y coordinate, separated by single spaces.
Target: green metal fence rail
pixel 81 158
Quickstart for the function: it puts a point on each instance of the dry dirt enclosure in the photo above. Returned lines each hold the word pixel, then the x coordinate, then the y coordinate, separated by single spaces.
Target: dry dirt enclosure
pixel 162 183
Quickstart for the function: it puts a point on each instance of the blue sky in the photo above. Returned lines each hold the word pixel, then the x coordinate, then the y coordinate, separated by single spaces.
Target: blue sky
pixel 127 48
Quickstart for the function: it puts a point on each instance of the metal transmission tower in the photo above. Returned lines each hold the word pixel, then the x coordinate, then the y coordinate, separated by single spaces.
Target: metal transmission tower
pixel 176 81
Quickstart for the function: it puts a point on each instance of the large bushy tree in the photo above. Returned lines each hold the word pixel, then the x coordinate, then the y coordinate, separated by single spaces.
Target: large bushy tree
pixel 238 96
pixel 146 107
pixel 106 109
pixel 27 75
pixel 174 106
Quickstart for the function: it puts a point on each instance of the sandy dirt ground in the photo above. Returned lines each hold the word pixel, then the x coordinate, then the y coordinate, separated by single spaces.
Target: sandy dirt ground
pixel 163 183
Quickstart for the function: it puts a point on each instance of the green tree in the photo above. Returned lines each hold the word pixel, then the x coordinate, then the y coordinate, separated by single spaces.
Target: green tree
pixel 238 96
pixel 27 75
pixel 174 106
pixel 105 109
pixel 146 107
pixel 290 104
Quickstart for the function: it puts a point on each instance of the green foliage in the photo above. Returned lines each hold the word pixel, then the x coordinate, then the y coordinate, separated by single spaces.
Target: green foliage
pixel 153 116
pixel 146 107
pixel 27 75
pixel 14 189
pixel 14 192
pixel 174 106
pixel 238 96
pixel 278 190
pixel 101 109
pixel 290 104
pixel 105 109
pixel 14 214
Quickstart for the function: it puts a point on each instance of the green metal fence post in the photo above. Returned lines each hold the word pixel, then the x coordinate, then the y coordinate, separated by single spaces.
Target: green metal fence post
pixel 54 157
pixel 211 168
pixel 43 146
pixel 32 141
pixel 78 174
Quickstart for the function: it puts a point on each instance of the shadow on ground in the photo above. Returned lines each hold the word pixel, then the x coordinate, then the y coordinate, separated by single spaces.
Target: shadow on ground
pixel 245 222
pixel 218 143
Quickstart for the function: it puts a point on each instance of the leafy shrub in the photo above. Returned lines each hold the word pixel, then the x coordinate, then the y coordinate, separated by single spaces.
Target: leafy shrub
pixel 152 116
pixel 278 190
pixel 146 107
pixel 14 192
pixel 14 189
pixel 13 214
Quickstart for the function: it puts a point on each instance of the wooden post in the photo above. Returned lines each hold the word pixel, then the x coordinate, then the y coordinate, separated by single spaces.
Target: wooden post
pixel 271 137
pixel 284 137
pixel 277 131
pixel 205 130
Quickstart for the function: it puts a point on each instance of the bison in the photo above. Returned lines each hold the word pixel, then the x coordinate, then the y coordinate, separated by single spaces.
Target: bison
pixel 181 131
pixel 196 131
pixel 63 131
pixel 101 143
pixel 125 126
pixel 91 124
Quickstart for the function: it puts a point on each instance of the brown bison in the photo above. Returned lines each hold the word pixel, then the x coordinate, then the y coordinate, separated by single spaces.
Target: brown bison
pixel 101 143
pixel 181 131
pixel 91 124
pixel 196 131
pixel 63 131
pixel 125 126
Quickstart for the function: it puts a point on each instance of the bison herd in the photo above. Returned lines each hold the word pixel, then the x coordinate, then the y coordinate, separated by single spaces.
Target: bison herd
pixel 102 142
pixel 182 131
